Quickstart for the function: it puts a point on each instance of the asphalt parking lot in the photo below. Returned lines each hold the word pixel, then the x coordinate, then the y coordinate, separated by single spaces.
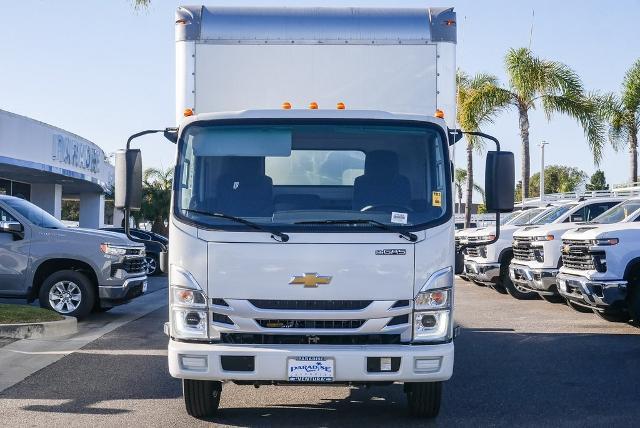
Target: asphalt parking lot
pixel 517 363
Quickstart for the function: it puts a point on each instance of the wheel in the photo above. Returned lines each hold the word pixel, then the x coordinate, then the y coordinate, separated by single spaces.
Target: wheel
pixel 424 398
pixel 613 316
pixel 201 397
pixel 552 298
pixel 633 300
pixel 151 265
pixel 509 286
pixel 578 308
pixel 68 292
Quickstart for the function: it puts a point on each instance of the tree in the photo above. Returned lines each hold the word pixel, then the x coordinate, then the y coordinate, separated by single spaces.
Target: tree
pixel 479 100
pixel 460 179
pixel 598 181
pixel 622 114
pixel 555 86
pixel 141 4
pixel 156 198
pixel 557 179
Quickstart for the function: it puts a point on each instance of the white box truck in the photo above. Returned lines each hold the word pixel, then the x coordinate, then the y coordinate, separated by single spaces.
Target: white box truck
pixel 311 228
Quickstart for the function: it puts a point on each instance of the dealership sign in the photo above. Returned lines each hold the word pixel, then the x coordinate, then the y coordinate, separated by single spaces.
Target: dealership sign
pixel 76 153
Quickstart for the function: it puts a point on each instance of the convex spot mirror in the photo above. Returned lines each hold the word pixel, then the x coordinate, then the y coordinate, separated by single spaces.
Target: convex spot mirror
pixel 128 179
pixel 499 182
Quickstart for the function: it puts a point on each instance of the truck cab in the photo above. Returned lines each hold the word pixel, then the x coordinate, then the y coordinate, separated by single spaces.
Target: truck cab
pixel 71 271
pixel 537 249
pixel 312 229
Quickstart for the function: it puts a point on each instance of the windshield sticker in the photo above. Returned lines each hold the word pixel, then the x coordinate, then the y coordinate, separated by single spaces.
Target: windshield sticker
pixel 436 198
pixel 400 218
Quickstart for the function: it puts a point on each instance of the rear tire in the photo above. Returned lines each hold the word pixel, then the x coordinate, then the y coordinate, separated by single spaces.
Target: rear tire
pixel 613 316
pixel 424 398
pixel 71 286
pixel 578 308
pixel 201 397
pixel 633 300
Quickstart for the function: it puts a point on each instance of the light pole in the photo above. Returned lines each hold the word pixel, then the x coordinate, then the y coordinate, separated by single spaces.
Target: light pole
pixel 542 144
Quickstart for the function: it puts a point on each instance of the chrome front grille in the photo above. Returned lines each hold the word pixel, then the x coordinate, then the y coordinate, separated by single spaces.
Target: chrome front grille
pixel 522 249
pixel 312 324
pixel 311 305
pixel 576 255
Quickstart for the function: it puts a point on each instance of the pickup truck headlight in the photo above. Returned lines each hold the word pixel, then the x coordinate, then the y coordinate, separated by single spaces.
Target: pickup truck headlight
pixel 113 250
pixel 432 308
pixel 605 241
pixel 188 303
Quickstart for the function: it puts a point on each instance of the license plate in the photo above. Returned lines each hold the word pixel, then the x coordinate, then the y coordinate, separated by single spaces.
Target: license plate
pixel 310 369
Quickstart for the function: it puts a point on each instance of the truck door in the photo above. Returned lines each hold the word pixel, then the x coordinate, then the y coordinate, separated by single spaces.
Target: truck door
pixel 14 259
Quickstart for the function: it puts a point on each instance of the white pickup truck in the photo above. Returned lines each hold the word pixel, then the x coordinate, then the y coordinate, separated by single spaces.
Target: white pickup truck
pixel 482 264
pixel 537 248
pixel 601 268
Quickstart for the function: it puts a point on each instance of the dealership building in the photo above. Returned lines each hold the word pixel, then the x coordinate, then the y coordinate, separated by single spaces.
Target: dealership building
pixel 45 164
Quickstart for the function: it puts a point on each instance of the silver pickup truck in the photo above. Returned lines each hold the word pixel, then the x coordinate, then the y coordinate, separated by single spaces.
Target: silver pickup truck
pixel 71 271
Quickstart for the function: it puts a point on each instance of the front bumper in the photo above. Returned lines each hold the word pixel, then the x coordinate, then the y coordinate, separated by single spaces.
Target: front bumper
pixel 350 362
pixel 117 294
pixel 541 281
pixel 482 272
pixel 596 294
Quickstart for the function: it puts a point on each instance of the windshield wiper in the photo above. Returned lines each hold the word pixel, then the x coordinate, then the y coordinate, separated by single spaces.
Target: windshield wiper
pixel 406 235
pixel 278 236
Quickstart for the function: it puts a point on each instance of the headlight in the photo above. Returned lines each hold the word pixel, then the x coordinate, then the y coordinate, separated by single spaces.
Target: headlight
pixel 113 250
pixel 548 237
pixel 190 324
pixel 432 308
pixel 605 241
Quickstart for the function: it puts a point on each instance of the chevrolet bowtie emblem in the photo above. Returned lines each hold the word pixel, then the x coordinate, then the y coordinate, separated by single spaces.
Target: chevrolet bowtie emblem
pixel 310 279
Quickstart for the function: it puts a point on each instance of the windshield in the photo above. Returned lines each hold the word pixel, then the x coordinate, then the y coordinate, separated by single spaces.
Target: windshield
pixel 618 213
pixel 525 217
pixel 34 214
pixel 286 175
pixel 553 214
pixel 506 218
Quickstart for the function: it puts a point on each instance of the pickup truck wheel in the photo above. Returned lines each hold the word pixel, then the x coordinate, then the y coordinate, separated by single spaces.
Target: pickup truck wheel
pixel 151 265
pixel 68 292
pixel 424 398
pixel 509 286
pixel 613 316
pixel 201 397
pixel 633 300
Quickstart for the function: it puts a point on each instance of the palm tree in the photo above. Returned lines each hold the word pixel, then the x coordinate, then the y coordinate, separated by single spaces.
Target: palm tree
pixel 156 198
pixel 622 113
pixel 479 100
pixel 140 4
pixel 558 89
pixel 460 179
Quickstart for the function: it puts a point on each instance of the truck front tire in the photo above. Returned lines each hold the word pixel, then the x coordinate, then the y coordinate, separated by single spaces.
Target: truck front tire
pixel 69 293
pixel 201 397
pixel 424 398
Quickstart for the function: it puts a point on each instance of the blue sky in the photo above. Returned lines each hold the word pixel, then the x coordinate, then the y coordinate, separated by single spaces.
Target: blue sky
pixel 104 71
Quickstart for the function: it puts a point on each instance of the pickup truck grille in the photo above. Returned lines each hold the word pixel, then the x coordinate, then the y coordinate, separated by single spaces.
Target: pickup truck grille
pixel 576 255
pixel 522 249
pixel 312 324
pixel 311 305
pixel 129 265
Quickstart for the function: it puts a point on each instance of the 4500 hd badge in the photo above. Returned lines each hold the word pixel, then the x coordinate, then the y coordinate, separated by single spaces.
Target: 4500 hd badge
pixel 391 252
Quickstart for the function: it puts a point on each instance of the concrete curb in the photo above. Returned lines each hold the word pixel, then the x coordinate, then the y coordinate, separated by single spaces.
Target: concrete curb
pixel 40 330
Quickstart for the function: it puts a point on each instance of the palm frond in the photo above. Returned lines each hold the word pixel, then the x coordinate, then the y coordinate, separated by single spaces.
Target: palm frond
pixel 631 89
pixel 586 111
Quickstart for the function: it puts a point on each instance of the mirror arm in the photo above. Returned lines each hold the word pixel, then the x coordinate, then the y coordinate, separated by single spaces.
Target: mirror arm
pixel 127 211
pixel 495 239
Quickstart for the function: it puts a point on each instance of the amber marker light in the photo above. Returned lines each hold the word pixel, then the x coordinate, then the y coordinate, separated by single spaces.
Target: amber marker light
pixel 439 114
pixel 341 106
pixel 286 105
pixel 313 105
pixel 188 112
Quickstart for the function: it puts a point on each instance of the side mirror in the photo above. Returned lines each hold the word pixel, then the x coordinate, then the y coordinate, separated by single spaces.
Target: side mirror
pixel 499 182
pixel 128 179
pixel 13 227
